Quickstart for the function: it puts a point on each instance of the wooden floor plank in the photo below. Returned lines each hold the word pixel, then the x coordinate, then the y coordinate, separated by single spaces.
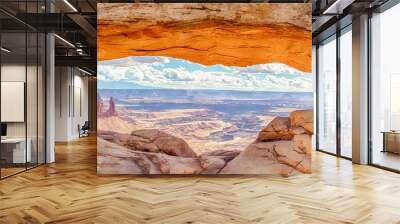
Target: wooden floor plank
pixel 70 191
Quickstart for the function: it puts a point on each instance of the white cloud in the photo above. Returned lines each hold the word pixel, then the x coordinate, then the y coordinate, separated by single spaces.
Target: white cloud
pixel 154 72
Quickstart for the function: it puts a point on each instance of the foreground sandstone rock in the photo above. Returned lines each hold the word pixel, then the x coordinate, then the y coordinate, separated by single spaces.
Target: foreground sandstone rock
pixel 213 162
pixel 152 151
pixel 116 159
pixel 260 158
pixel 277 129
pixel 151 140
pixel 304 119
pixel 283 147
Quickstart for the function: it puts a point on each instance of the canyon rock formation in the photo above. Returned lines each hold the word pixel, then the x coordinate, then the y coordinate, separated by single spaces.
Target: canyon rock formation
pixel 283 147
pixel 102 112
pixel 209 34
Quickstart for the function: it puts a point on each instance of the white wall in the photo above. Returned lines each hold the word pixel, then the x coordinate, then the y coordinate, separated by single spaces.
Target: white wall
pixel 62 82
pixel 71 102
pixel 80 110
pixel 33 126
pixel 12 73
pixel 16 73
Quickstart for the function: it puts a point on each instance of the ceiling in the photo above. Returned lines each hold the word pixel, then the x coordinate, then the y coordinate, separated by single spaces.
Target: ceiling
pixel 75 22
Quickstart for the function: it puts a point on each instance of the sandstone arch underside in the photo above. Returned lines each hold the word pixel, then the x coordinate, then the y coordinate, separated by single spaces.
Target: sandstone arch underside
pixel 209 34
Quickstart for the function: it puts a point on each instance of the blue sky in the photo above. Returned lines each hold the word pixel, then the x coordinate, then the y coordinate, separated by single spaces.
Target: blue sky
pixel 166 72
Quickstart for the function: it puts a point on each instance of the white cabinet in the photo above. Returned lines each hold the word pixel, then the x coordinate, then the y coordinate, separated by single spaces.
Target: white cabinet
pixel 19 155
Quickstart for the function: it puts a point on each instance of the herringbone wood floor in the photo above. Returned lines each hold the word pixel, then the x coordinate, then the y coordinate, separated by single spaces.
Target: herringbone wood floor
pixel 70 191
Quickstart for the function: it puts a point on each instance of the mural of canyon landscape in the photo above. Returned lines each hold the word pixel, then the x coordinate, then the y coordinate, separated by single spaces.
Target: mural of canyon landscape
pixel 195 88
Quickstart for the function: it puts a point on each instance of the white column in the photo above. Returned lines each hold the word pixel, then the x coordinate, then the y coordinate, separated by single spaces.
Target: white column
pixel 360 90
pixel 50 98
pixel 314 79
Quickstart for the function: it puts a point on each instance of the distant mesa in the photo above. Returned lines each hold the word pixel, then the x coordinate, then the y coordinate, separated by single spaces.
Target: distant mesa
pixel 101 112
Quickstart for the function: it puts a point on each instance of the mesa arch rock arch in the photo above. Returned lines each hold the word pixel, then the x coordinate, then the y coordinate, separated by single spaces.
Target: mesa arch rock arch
pixel 209 34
